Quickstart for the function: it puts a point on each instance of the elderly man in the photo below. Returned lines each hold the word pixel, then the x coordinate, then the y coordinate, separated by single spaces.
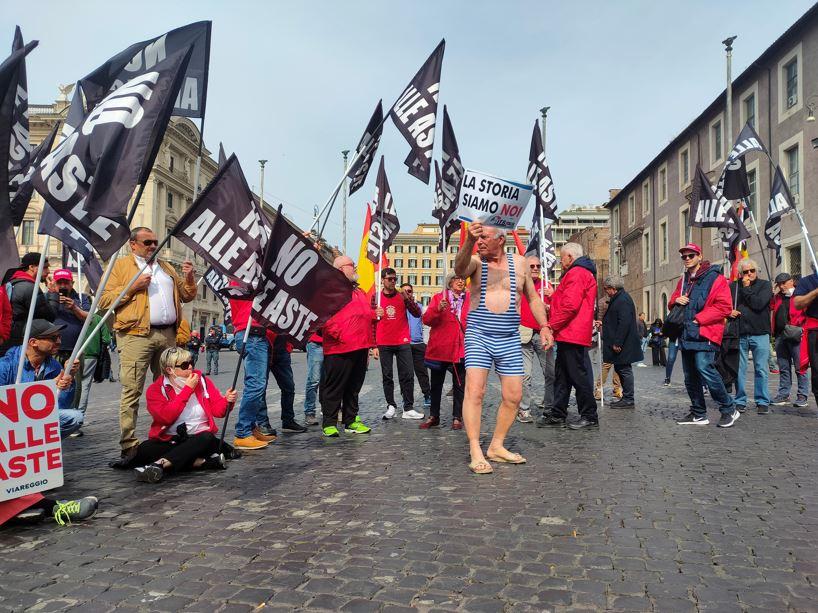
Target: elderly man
pixel 572 322
pixel 621 341
pixel 532 348
pixel 499 282
pixel 788 330
pixel 705 296
pixel 347 339
pixel 145 325
pixel 752 310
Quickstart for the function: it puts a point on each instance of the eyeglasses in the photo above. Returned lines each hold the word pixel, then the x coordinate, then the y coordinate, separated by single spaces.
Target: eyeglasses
pixel 185 365
pixel 148 243
pixel 689 256
pixel 748 271
pixel 534 266
pixel 390 278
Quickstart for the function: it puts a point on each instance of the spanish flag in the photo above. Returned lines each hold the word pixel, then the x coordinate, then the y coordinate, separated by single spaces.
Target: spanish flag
pixel 366 269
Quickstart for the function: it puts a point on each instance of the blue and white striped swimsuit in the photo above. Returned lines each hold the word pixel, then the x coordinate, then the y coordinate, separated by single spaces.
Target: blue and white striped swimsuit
pixel 495 337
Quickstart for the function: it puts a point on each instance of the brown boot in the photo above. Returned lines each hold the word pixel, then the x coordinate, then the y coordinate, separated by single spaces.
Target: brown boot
pixel 259 435
pixel 249 442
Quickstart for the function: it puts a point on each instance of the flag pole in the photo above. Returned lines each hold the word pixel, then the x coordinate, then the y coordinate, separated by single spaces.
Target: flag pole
pixel 242 353
pixel 79 275
pixel 336 191
pixel 758 238
pixel 806 237
pixel 542 258
pixel 601 382
pixel 380 259
pixel 31 307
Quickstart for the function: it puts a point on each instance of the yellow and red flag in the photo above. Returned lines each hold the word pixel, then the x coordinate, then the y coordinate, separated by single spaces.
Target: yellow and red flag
pixel 366 269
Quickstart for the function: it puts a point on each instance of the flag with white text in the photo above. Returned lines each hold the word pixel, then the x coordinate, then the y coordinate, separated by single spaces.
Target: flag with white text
pixel 25 188
pixel 781 203
pixel 366 149
pixel 539 175
pixel 19 143
pixel 384 226
pixel 216 281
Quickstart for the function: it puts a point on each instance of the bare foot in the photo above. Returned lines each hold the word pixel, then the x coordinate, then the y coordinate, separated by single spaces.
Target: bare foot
pixel 501 454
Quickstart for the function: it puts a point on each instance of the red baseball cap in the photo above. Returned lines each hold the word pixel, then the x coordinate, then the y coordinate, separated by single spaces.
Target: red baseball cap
pixel 63 273
pixel 691 247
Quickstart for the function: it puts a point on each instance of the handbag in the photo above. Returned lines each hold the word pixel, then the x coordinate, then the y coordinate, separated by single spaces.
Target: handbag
pixel 791 333
pixel 675 323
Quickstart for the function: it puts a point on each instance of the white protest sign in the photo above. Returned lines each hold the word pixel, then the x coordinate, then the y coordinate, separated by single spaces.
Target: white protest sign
pixel 30 448
pixel 491 200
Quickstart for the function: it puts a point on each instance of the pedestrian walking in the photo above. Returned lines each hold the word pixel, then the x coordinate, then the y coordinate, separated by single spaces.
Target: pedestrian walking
pixel 315 361
pixel 418 345
pixel 788 329
pixel 621 340
pixel 213 344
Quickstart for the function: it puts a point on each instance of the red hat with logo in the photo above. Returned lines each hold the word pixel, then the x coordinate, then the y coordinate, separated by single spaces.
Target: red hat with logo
pixel 691 247
pixel 63 274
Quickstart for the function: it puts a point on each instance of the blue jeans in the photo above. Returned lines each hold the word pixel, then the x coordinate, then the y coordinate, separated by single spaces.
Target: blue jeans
pixel 788 354
pixel 315 358
pixel 699 370
pixel 70 421
pixel 282 368
pixel 213 358
pixel 253 407
pixel 672 350
pixel 759 344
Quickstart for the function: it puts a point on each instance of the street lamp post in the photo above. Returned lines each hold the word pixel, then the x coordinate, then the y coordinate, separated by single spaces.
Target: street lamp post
pixel 345 153
pixel 544 111
pixel 261 194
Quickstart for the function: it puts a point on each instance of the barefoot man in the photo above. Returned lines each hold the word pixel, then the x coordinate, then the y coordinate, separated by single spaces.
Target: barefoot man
pixel 498 282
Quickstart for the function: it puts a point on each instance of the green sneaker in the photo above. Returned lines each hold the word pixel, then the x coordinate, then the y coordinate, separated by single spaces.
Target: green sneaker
pixel 331 431
pixel 358 427
pixel 66 510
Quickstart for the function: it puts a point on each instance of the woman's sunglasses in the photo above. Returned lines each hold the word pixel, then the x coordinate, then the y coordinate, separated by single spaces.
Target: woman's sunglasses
pixel 185 365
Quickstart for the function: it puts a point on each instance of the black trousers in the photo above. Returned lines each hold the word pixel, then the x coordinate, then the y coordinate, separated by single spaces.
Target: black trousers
pixel 727 362
pixel 402 354
pixel 181 455
pixel 573 370
pixel 458 371
pixel 659 358
pixel 812 350
pixel 342 375
pixel 418 357
pixel 625 372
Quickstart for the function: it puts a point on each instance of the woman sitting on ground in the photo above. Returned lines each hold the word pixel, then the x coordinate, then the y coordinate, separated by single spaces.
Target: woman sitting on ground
pixel 183 404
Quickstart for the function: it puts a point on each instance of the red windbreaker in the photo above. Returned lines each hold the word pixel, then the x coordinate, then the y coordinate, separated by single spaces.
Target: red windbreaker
pixel 573 303
pixel 165 405
pixel 350 329
pixel 526 316
pixel 445 331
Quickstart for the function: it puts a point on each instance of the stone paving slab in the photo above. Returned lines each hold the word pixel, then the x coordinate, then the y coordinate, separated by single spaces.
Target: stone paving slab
pixel 643 515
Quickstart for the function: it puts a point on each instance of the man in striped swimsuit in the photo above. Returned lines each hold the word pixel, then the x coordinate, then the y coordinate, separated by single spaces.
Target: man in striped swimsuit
pixel 498 282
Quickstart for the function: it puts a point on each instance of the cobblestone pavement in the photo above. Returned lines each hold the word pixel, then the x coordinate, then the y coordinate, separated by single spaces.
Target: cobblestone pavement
pixel 643 515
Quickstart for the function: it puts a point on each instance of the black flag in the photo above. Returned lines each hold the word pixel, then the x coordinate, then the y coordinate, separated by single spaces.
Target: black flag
pixel 57 227
pixel 226 227
pixel 733 183
pixel 19 145
pixel 216 281
pixel 25 187
pixel 549 253
pixel 384 225
pixel 732 233
pixel 415 114
pixel 91 270
pixel 781 203
pixel 448 225
pixel 90 177
pixel 9 74
pixel 709 209
pixel 300 290
pixel 222 156
pixel 539 175
pixel 367 148
pixel 451 173
pixel 748 140
pixel 141 58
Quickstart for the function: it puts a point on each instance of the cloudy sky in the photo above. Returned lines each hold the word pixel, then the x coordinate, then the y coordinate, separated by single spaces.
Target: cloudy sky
pixel 296 82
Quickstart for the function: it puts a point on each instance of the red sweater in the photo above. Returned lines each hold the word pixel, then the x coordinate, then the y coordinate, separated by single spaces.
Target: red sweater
pixel 350 329
pixel 165 405
pixel 393 328
pixel 526 316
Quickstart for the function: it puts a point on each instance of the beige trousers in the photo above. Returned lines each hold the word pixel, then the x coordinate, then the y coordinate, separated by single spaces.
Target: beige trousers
pixel 617 384
pixel 136 355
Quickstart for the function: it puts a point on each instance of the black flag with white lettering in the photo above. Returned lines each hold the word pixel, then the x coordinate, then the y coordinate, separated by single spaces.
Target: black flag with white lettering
pixel 9 74
pixel 733 183
pixel 709 210
pixel 57 227
pixel 216 281
pixel 141 58
pixel 25 187
pixel 300 290
pixel 19 145
pixel 781 203
pixel 732 233
pixel 91 270
pixel 222 156
pixel 549 253
pixel 367 147
pixel 448 225
pixel 533 247
pixel 748 140
pixel 384 225
pixel 226 227
pixel 415 114
pixel 451 173
pixel 539 175
pixel 90 177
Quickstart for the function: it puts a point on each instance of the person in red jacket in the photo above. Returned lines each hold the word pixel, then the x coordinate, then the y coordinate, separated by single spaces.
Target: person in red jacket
pixel 784 319
pixel 446 317
pixel 183 404
pixel 705 295
pixel 347 338
pixel 572 322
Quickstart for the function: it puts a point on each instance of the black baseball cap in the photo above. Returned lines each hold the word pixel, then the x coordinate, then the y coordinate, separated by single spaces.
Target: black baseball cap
pixel 782 277
pixel 40 328
pixel 30 259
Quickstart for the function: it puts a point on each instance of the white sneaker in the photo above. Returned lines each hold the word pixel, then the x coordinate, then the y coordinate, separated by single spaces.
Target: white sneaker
pixel 524 416
pixel 411 414
pixel 641 365
pixel 390 412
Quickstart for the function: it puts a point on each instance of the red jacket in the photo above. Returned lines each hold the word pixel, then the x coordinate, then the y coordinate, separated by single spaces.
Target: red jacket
pixel 165 405
pixel 573 304
pixel 5 316
pixel 797 318
pixel 350 329
pixel 240 312
pixel 526 316
pixel 717 306
pixel 446 332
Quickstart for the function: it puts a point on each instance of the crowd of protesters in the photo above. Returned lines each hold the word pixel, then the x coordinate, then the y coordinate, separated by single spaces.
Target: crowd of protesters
pixel 496 312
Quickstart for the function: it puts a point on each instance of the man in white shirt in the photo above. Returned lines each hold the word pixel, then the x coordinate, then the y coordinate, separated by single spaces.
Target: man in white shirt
pixel 146 323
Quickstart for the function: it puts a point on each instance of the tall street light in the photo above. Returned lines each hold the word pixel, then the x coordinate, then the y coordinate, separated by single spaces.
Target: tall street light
pixel 345 153
pixel 544 111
